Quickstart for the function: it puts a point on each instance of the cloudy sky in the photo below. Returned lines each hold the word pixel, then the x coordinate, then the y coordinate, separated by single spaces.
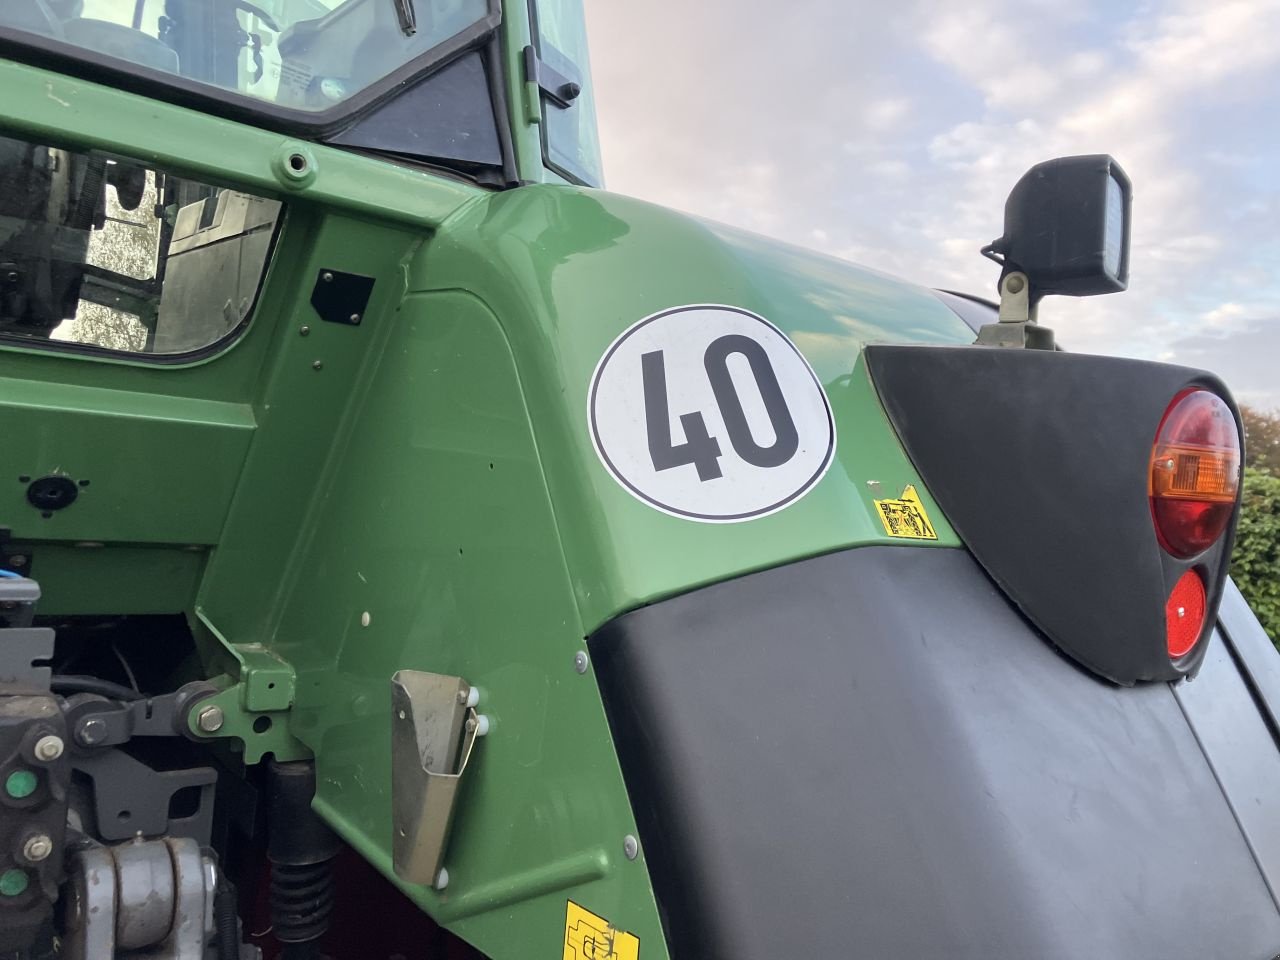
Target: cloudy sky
pixel 890 134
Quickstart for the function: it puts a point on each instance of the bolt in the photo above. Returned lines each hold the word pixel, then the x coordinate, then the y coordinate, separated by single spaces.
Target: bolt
pixel 580 661
pixel 91 732
pixel 304 331
pixel 48 748
pixel 317 364
pixel 355 318
pixel 37 848
pixel 630 846
pixel 1014 284
pixel 210 719
pixel 327 277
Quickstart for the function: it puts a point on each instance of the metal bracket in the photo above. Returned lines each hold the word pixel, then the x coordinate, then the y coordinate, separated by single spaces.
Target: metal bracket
pixel 341 297
pixel 553 84
pixel 1016 325
pixel 252 706
pixel 434 727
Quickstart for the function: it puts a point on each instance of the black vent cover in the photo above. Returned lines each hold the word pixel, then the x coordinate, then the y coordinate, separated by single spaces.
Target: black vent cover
pixel 1039 460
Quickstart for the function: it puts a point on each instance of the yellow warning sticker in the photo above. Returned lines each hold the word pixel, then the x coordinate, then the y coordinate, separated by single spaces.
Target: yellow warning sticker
pixel 588 937
pixel 905 517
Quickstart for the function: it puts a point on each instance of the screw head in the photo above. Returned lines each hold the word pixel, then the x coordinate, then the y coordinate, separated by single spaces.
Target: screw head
pixel 211 719
pixel 1015 284
pixel 630 847
pixel 317 364
pixel 304 330
pixel 327 277
pixel 37 848
pixel 354 318
pixel 48 748
pixel 580 661
pixel 91 732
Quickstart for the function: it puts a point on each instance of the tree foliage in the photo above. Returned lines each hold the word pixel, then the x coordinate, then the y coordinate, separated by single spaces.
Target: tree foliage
pixel 1261 438
pixel 1255 564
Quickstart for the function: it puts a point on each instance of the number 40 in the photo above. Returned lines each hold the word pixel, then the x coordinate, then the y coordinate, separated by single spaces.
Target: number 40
pixel 699 447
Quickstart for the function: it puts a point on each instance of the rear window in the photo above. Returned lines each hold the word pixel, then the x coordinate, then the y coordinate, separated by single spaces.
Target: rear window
pixel 110 254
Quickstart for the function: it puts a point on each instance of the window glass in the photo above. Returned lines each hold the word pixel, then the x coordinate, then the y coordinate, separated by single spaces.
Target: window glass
pixel 107 252
pixel 303 54
pixel 570 139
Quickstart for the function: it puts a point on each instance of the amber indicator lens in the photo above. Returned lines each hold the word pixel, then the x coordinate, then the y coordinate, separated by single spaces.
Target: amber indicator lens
pixel 1195 472
pixel 1184 614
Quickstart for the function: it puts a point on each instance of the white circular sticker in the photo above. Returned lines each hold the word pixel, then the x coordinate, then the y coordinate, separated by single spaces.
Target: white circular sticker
pixel 710 413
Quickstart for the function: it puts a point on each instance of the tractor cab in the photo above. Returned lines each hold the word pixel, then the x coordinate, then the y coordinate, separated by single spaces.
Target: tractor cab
pixel 410 549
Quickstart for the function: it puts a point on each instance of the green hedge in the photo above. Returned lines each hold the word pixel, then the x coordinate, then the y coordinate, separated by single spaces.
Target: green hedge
pixel 1255 565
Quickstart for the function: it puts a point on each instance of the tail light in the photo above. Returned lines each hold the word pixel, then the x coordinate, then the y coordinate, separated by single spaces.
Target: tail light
pixel 1184 614
pixel 1195 472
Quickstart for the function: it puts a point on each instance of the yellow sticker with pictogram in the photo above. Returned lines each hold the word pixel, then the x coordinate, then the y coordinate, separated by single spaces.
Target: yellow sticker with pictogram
pixel 588 937
pixel 905 517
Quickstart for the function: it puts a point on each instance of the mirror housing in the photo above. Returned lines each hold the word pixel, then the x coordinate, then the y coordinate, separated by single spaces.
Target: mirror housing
pixel 1066 226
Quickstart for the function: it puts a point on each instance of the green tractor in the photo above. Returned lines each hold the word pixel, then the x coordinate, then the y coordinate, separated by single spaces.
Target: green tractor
pixel 411 550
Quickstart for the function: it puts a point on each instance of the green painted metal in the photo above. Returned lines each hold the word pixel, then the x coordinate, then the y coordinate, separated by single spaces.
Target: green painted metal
pixel 48 107
pixel 329 504
pixel 568 269
pixel 254 700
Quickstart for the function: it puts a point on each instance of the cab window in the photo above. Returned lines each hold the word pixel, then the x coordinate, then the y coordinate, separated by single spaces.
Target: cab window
pixel 108 253
pixel 570 140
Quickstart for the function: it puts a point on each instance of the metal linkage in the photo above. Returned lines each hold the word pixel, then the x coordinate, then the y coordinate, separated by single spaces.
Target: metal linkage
pixel 35 774
pixel 152 898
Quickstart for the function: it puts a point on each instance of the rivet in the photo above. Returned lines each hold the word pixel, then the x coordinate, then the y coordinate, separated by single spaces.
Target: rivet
pixel 304 331
pixel 580 661
pixel 37 848
pixel 1182 612
pixel 630 847
pixel 365 619
pixel 317 364
pixel 210 719
pixel 48 748
pixel 355 318
pixel 327 277
pixel 1015 284
pixel 91 732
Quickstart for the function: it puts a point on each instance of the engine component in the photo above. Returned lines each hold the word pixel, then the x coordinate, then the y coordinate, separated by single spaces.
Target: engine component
pixel 301 849
pixel 35 774
pixel 152 898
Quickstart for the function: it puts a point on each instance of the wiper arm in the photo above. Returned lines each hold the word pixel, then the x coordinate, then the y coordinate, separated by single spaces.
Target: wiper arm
pixel 407 17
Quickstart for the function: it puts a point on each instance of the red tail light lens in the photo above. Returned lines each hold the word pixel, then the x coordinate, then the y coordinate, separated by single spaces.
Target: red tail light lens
pixel 1184 614
pixel 1195 472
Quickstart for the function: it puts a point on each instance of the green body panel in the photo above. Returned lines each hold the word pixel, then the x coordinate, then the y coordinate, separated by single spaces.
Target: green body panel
pixel 568 269
pixel 420 491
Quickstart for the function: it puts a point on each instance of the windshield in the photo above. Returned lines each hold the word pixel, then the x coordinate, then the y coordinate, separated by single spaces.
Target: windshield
pixel 309 55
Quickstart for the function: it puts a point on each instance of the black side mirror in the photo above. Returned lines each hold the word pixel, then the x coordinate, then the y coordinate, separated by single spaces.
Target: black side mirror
pixel 1066 226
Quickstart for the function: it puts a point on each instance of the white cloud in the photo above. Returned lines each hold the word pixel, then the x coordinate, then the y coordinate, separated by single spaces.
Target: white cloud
pixel 894 137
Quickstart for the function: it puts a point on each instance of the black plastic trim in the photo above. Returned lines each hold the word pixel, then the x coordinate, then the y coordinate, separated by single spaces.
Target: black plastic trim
pixel 871 754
